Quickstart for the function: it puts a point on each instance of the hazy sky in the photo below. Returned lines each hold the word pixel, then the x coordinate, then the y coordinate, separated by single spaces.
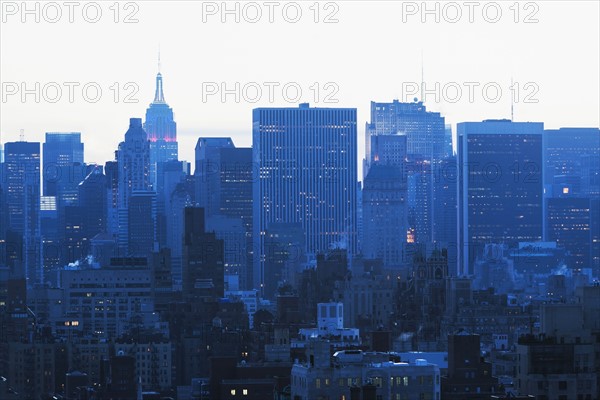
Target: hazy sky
pixel 373 52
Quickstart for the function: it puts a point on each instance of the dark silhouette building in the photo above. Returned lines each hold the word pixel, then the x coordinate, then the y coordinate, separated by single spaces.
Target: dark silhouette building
pixel 202 258
pixel 469 376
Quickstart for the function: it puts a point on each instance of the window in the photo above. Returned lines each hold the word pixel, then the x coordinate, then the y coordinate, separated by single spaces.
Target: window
pixel 232 392
pixel 318 383
pixel 562 385
pixel 245 392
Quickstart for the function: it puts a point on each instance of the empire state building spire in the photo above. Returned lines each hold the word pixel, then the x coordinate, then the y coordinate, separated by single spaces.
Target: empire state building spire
pixel 161 129
pixel 159 97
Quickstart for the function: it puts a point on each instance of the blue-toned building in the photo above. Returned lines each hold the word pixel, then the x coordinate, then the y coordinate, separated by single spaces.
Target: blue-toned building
pixel 223 178
pixel 569 224
pixel 500 186
pixel 425 130
pixel 385 214
pixel 63 152
pixel 425 145
pixel 162 132
pixel 133 159
pixel 572 155
pixel 208 172
pixel 305 172
pixel 22 182
pixel 572 193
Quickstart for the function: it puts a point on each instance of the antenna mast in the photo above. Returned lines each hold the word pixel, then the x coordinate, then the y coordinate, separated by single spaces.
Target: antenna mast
pixel 422 79
pixel 512 102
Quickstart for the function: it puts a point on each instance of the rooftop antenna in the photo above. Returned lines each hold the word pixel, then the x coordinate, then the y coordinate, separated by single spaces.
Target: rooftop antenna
pixel 158 94
pixel 512 102
pixel 159 58
pixel 22 135
pixel 422 78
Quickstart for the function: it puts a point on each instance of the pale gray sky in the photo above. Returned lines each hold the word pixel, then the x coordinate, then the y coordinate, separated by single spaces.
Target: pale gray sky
pixel 371 53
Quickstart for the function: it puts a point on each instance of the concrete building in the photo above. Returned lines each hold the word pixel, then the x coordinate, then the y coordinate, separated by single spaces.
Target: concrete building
pixel 106 300
pixel 326 377
pixel 560 363
pixel 153 363
pixel 330 326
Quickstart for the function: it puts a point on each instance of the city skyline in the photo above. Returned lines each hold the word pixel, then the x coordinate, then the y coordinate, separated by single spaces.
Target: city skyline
pixel 444 53
pixel 295 200
pixel 245 140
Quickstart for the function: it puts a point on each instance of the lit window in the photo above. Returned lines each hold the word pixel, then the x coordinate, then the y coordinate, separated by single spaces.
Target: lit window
pixel 245 392
pixel 232 392
pixel 565 190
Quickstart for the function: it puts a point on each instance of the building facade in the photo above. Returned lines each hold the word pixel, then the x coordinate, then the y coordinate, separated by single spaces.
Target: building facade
pixel 305 172
pixel 500 186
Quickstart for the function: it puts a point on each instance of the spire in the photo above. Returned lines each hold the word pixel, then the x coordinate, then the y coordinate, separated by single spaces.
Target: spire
pixel 159 97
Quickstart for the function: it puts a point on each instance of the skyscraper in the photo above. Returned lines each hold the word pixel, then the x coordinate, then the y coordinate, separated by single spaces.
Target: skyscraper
pixel 111 170
pixel 63 170
pixel 305 172
pixel 420 185
pixel 572 193
pixel 500 186
pixel 425 130
pixel 426 144
pixel 224 188
pixel 569 224
pixel 51 248
pixel 22 183
pixel 133 159
pixel 92 198
pixel 445 207
pixel 573 153
pixel 161 130
pixel 208 172
pixel 141 223
pixel 63 153
pixel 384 215
pixel 202 258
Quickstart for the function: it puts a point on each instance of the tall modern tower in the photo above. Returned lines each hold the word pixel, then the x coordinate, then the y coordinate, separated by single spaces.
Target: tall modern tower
pixel 22 183
pixel 500 186
pixel 426 144
pixel 384 215
pixel 133 159
pixel 224 189
pixel 573 154
pixel 572 192
pixel 208 172
pixel 161 130
pixel 63 152
pixel 305 172
pixel 425 130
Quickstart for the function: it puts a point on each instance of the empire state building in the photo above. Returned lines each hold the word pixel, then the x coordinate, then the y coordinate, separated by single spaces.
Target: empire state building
pixel 161 130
